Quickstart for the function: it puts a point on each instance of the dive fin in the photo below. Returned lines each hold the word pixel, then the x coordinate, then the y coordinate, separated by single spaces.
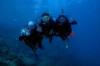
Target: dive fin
pixel 66 45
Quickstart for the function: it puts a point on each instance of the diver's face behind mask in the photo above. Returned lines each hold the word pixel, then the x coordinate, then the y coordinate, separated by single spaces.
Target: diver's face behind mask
pixel 45 18
pixel 62 19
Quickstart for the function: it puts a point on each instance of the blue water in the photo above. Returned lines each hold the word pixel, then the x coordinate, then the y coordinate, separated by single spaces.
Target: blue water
pixel 84 45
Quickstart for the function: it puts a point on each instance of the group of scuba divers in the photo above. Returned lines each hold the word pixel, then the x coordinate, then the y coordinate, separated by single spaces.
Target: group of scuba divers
pixel 34 34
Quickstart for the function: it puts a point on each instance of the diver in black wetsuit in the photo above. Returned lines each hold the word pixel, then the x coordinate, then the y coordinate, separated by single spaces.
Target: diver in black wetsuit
pixel 63 27
pixel 31 37
pixel 47 25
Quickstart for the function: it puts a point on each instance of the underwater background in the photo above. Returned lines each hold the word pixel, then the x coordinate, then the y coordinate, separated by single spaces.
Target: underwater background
pixel 84 45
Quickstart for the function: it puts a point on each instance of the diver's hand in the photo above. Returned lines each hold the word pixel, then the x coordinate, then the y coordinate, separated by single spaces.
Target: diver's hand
pixel 73 21
pixel 51 32
pixel 39 29
pixel 25 32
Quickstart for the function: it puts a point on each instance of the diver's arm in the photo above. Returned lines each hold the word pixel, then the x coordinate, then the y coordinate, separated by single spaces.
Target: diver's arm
pixel 25 32
pixel 73 21
pixel 39 28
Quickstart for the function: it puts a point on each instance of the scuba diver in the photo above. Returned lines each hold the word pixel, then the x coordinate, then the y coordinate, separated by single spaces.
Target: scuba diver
pixel 47 25
pixel 63 27
pixel 31 37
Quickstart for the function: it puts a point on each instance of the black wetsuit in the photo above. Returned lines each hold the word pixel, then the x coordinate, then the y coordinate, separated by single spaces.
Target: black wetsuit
pixel 34 40
pixel 63 30
pixel 47 29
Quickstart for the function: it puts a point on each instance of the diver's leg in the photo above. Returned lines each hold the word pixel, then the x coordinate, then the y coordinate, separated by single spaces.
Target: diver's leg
pixel 65 40
pixel 39 42
pixel 66 43
pixel 62 37
pixel 39 45
pixel 33 47
pixel 36 56
pixel 50 39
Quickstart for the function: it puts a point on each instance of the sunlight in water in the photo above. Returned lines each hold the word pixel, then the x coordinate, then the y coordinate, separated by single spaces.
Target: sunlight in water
pixel 48 5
